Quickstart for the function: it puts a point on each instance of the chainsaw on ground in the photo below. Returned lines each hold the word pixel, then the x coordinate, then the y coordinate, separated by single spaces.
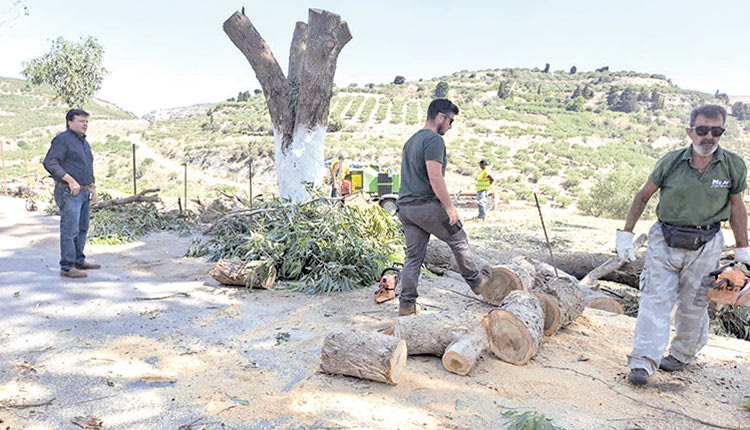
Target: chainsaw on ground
pixel 726 286
pixel 389 278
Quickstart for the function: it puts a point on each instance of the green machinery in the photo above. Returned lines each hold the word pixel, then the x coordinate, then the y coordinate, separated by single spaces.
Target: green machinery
pixel 382 186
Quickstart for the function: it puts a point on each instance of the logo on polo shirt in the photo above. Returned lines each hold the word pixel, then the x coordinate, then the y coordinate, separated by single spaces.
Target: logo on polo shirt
pixel 718 183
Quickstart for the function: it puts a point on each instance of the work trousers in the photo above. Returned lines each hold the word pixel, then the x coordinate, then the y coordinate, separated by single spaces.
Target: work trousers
pixel 672 276
pixel 74 225
pixel 421 221
pixel 482 203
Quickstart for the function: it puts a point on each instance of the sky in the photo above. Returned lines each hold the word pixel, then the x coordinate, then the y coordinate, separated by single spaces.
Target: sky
pixel 163 54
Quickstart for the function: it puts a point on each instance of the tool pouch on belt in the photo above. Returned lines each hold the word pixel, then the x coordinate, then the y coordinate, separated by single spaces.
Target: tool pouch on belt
pixel 690 238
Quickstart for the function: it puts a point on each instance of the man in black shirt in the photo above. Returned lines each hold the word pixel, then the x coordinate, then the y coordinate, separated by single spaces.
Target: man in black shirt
pixel 425 207
pixel 71 163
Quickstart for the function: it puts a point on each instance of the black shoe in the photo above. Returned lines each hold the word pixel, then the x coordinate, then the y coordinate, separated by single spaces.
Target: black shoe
pixel 671 364
pixel 638 377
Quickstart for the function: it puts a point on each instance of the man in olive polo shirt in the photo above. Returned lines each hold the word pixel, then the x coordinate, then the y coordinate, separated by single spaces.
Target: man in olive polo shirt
pixel 700 186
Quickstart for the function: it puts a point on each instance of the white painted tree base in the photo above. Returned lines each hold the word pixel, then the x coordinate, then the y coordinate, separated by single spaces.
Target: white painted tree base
pixel 302 163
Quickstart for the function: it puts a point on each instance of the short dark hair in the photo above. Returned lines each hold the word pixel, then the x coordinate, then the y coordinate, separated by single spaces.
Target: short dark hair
pixel 484 163
pixel 74 113
pixel 709 111
pixel 443 106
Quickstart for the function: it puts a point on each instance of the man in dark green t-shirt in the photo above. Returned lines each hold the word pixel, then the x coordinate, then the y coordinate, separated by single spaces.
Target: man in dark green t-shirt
pixel 425 207
pixel 699 187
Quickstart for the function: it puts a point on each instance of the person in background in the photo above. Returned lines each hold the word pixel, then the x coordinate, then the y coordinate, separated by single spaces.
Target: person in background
pixel 484 180
pixel 339 170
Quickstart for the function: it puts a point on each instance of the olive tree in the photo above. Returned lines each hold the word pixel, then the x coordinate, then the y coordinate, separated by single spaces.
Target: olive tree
pixel 73 69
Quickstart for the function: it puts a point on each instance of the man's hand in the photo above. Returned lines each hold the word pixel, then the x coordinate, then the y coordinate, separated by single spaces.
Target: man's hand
pixel 75 187
pixel 452 214
pixel 743 255
pixel 624 245
pixel 94 195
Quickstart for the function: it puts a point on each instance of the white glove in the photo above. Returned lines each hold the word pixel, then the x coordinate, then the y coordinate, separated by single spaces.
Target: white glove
pixel 625 248
pixel 743 255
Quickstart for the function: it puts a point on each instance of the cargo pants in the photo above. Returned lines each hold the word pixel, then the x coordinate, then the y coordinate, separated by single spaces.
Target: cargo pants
pixel 421 221
pixel 672 276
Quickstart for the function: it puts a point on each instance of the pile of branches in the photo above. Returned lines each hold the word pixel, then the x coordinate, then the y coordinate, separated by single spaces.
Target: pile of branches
pixel 316 246
pixel 118 224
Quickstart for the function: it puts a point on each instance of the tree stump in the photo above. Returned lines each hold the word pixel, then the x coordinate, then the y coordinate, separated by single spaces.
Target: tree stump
pixel 568 296
pixel 364 354
pixel 516 328
pixel 428 333
pixel 461 355
pixel 250 274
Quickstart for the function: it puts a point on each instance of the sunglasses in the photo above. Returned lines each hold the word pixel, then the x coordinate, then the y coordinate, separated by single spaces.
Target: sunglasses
pixel 703 130
pixel 450 120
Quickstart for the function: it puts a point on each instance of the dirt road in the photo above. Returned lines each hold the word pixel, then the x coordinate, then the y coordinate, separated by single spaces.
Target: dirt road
pixel 148 342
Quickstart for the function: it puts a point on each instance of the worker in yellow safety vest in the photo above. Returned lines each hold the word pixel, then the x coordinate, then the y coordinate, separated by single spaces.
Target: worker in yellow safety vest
pixel 339 170
pixel 484 180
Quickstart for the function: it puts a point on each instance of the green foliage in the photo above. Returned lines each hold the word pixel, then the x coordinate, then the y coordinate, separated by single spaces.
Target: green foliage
pixel 74 69
pixel 529 420
pixel 734 321
pixel 441 90
pixel 318 247
pixel 399 80
pixel 745 405
pixel 613 194
pixel 576 104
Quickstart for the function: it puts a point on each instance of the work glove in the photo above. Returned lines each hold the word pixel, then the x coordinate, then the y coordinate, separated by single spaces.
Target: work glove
pixel 624 245
pixel 743 255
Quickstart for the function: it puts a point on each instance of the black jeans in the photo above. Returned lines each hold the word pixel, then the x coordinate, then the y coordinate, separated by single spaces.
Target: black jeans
pixel 421 221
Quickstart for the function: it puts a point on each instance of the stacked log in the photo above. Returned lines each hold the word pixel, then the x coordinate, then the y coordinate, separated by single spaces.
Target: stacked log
pixel 428 334
pixel 364 354
pixel 568 297
pixel 516 275
pixel 516 328
pixel 251 274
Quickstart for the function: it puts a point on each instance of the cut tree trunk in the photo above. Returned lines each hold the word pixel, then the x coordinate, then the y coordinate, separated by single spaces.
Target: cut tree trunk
pixel 251 274
pixel 297 103
pixel 364 354
pixel 580 264
pixel 516 328
pixel 516 275
pixel 568 296
pixel 428 334
pixel 138 198
pixel 609 266
pixel 462 353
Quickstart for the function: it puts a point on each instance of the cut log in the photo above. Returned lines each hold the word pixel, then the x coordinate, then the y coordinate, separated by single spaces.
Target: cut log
pixel 461 355
pixel 551 312
pixel 138 198
pixel 580 264
pixel 428 334
pixel 251 274
pixel 364 354
pixel 516 275
pixel 568 296
pixel 516 328
pixel 544 272
pixel 597 299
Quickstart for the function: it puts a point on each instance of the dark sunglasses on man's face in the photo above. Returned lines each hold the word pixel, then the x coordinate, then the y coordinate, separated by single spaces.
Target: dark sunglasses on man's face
pixel 450 120
pixel 703 130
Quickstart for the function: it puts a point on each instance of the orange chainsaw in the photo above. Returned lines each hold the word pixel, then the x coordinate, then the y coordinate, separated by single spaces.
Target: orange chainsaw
pixel 727 286
pixel 388 282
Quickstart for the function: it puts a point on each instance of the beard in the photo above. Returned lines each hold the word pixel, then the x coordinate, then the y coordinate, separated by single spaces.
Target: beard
pixel 706 147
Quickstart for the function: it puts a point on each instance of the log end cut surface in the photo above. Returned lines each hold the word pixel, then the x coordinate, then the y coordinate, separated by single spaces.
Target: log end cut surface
pixel 607 304
pixel 510 340
pixel 503 282
pixel 551 313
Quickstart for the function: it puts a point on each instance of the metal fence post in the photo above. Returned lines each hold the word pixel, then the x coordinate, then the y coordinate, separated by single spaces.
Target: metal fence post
pixel 135 188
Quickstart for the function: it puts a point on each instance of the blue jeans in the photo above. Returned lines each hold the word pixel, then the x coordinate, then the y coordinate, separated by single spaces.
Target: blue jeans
pixel 482 201
pixel 74 225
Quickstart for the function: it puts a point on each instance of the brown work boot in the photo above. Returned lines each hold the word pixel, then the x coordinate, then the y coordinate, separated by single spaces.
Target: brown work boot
pixel 88 266
pixel 486 272
pixel 407 308
pixel 671 364
pixel 73 273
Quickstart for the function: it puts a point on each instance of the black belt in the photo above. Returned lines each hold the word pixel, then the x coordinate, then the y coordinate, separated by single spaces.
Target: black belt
pixel 714 226
pixel 83 187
